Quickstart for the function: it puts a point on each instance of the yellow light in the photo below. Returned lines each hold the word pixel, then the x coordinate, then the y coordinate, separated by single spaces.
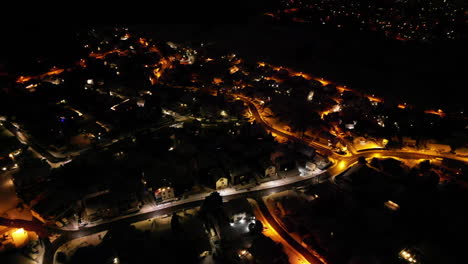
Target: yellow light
pixel 18 231
pixel 342 165
pixel 20 237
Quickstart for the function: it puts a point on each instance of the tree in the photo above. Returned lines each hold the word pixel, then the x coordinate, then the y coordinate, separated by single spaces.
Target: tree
pixel 425 165
pixel 175 223
pixel 61 257
pixel 212 205
pixel 362 160
pixel 256 228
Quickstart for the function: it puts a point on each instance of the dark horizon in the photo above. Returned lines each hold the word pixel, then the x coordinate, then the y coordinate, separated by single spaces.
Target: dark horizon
pixel 424 74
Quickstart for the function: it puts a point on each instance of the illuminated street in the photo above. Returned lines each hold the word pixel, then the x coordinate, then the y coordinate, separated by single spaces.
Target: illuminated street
pixel 117 141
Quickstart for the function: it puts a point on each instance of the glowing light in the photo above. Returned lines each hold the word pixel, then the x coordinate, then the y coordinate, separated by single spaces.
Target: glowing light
pixel 434 112
pixel 20 237
pixel 290 10
pixel 23 79
pixel 392 206
pixel 342 165
pixel 217 80
pixel 143 42
pixel 31 86
pixel 233 69
pixel 374 99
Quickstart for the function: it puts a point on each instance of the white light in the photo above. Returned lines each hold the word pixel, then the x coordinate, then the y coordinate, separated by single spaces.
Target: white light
pixel 116 260
pixel 90 81
pixel 4 168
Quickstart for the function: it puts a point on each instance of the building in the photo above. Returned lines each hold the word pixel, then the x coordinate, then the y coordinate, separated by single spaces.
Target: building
pixel 216 178
pixel 267 169
pixel 305 167
pixel 53 207
pixel 221 183
pixel 238 210
pixel 285 163
pixel 270 171
pixel 239 173
pixel 164 194
pixel 321 162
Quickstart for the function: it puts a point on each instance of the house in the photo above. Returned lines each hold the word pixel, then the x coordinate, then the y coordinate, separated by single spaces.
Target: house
pixel 285 163
pixel 52 207
pixel 218 178
pixel 440 148
pixel 267 169
pixel 270 172
pixel 164 194
pixel 407 141
pixel 239 173
pixel 305 166
pixel 99 205
pixel 321 162
pixel 305 150
pixel 238 210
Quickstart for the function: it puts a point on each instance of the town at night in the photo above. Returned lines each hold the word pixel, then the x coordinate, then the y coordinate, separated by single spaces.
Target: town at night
pixel 304 132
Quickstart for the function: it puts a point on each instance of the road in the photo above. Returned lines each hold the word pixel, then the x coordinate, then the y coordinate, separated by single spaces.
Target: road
pixel 254 110
pixel 296 253
pixel 342 163
pixel 67 235
pixel 332 172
